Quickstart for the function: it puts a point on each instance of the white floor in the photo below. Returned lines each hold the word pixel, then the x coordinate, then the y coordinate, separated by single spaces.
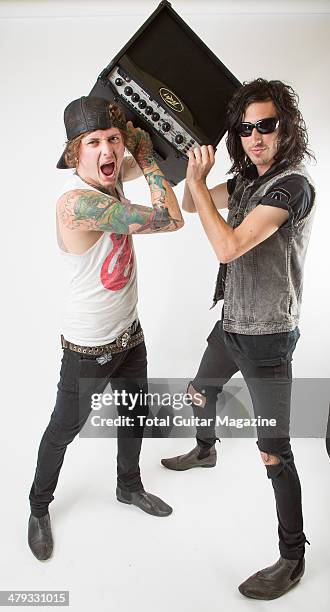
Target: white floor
pixel 115 557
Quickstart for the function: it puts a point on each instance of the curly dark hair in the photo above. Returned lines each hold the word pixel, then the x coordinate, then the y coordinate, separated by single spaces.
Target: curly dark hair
pixel 293 138
pixel 72 146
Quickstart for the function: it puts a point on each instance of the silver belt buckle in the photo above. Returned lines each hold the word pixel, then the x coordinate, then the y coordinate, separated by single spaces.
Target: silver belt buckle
pixel 105 358
pixel 123 340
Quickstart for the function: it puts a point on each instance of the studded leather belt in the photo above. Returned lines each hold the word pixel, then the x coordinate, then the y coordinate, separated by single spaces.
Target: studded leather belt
pixel 127 339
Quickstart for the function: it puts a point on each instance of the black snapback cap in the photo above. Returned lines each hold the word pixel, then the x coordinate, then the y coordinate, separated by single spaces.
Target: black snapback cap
pixel 87 114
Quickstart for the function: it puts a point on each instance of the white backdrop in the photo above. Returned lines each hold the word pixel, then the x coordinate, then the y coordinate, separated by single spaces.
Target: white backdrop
pixel 52 53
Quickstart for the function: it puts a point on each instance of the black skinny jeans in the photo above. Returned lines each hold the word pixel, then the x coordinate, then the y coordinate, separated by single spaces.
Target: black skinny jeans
pixel 269 386
pixel 127 370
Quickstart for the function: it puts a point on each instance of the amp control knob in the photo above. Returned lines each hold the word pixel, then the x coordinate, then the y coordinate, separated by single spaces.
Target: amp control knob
pixel 119 81
pixel 166 126
pixel 142 104
pixel 149 110
pixel 128 90
pixel 179 139
pixel 135 97
pixel 155 116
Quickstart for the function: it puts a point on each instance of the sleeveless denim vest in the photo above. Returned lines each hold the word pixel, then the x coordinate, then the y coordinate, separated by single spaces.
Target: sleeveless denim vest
pixel 262 288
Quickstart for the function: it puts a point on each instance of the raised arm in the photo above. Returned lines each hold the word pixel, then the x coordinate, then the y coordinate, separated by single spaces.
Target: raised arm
pixel 89 210
pixel 228 243
pixel 161 192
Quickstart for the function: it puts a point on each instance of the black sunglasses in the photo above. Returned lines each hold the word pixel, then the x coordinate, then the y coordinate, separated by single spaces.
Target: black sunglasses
pixel 263 126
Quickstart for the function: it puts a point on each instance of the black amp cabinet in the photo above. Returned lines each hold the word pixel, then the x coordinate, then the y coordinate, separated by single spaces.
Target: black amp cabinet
pixel 170 84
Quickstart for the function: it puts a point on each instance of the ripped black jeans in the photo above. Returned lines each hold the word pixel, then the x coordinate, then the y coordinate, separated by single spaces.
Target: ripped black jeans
pixel 269 379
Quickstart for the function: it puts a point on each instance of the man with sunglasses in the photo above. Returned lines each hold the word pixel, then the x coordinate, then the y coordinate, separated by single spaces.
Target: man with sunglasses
pixel 261 248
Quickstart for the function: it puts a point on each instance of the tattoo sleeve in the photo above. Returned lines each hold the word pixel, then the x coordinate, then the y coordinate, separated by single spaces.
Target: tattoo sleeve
pixel 162 195
pixel 87 210
pixel 157 187
pixel 145 156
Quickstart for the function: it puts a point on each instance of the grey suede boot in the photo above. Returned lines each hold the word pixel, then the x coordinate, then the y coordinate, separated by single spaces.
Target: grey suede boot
pixel 195 458
pixel 145 501
pixel 40 536
pixel 273 581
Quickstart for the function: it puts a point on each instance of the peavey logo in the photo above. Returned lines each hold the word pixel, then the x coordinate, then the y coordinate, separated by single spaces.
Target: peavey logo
pixel 171 99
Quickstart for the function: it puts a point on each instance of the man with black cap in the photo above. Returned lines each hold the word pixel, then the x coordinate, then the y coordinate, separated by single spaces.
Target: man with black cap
pixel 102 338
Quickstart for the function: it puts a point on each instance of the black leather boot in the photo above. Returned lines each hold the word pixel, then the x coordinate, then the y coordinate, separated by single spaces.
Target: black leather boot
pixel 40 537
pixel 145 501
pixel 192 459
pixel 273 581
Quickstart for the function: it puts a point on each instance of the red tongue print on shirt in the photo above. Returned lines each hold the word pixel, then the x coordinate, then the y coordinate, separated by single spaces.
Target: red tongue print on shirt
pixel 122 254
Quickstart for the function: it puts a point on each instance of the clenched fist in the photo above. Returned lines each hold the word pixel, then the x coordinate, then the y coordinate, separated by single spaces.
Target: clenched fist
pixel 201 160
pixel 140 145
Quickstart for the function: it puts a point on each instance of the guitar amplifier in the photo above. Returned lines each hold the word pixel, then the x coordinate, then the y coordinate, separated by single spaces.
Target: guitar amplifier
pixel 170 84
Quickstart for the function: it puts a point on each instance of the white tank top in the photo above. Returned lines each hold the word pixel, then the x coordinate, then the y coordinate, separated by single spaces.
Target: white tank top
pixel 102 288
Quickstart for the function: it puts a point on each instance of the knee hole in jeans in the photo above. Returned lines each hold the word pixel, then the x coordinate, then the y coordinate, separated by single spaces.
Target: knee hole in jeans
pixel 270 459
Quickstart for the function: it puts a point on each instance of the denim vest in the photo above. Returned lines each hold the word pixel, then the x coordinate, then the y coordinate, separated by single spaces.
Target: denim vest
pixel 262 288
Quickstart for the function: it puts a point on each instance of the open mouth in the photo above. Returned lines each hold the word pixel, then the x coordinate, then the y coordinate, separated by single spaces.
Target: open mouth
pixel 108 170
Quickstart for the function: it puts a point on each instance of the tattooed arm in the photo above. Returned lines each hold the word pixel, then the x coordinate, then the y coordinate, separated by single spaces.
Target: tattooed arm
pixel 87 210
pixel 162 194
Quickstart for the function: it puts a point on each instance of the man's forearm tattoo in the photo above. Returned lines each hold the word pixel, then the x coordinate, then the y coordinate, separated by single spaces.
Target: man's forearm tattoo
pixel 145 156
pixel 159 221
pixel 157 187
pixel 162 218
